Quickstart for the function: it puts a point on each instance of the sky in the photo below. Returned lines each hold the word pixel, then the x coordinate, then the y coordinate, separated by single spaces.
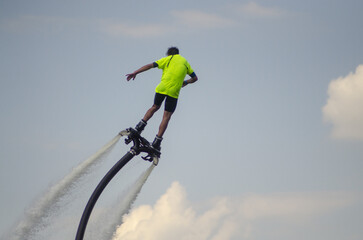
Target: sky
pixel 267 144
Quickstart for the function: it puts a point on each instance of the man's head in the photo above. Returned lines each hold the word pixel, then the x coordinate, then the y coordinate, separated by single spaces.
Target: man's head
pixel 172 51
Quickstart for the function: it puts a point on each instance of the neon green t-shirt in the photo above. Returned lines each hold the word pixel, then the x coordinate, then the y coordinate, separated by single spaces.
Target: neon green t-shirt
pixel 175 68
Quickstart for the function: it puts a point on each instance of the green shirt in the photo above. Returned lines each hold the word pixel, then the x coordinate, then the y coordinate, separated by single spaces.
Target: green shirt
pixel 175 68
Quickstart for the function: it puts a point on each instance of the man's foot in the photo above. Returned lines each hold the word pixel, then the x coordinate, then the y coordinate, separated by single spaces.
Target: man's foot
pixel 140 126
pixel 156 143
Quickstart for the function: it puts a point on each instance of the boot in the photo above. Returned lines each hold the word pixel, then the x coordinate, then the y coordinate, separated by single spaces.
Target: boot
pixel 140 126
pixel 156 143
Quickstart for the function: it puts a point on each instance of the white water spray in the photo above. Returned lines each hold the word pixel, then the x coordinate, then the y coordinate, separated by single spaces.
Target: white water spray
pixel 124 205
pixel 36 215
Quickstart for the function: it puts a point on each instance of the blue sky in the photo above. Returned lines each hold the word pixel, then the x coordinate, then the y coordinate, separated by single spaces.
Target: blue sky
pixel 276 115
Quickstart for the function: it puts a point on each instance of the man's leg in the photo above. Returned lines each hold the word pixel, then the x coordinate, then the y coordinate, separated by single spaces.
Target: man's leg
pixel 158 99
pixel 170 105
pixel 142 124
pixel 150 112
pixel 164 123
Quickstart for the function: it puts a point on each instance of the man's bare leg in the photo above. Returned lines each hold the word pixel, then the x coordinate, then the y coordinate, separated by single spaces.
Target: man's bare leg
pixel 141 125
pixel 164 123
pixel 150 112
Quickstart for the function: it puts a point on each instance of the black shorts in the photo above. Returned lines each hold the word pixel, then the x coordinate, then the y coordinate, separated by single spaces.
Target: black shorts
pixel 170 103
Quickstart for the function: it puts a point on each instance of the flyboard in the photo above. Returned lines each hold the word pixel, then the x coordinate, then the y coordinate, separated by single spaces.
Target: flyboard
pixel 140 145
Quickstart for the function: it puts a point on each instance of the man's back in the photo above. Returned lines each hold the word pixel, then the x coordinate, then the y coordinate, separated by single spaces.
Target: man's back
pixel 175 68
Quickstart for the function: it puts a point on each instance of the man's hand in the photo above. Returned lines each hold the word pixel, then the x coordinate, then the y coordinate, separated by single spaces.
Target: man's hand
pixel 130 76
pixel 191 80
pixel 185 83
pixel 140 70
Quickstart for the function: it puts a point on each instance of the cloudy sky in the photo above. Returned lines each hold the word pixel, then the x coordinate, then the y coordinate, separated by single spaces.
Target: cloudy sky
pixel 267 144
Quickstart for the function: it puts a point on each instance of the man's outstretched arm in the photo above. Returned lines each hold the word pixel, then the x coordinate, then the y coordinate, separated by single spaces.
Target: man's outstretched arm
pixel 140 70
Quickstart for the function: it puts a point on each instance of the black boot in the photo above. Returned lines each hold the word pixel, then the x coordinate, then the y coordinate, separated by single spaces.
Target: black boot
pixel 156 143
pixel 140 126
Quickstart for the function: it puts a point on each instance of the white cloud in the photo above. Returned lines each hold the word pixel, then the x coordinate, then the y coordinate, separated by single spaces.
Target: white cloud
pixel 43 24
pixel 188 20
pixel 290 205
pixel 198 19
pixel 134 30
pixel 344 107
pixel 174 217
pixel 253 9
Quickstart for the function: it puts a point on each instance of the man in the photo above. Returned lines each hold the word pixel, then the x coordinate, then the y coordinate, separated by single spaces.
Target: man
pixel 175 68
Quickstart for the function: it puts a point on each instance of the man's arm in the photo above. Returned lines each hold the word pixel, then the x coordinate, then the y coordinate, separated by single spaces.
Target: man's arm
pixel 140 70
pixel 193 79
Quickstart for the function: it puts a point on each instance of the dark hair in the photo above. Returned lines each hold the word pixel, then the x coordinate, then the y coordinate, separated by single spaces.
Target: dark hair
pixel 172 51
